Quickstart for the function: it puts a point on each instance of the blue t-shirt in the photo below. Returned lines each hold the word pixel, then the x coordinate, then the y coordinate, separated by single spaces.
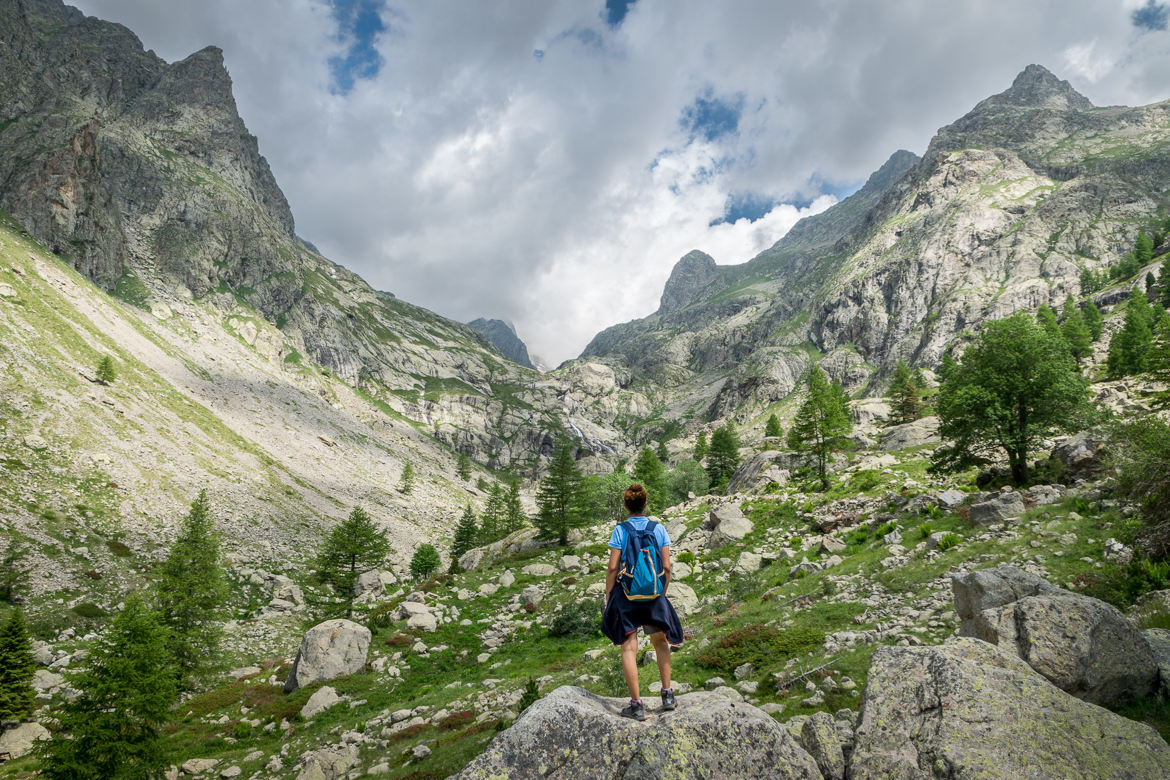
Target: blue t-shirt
pixel 617 539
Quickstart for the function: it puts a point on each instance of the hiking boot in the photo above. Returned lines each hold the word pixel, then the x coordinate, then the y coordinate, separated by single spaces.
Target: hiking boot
pixel 634 710
pixel 668 702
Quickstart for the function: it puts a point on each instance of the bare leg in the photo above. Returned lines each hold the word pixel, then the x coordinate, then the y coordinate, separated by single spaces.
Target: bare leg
pixel 662 652
pixel 630 663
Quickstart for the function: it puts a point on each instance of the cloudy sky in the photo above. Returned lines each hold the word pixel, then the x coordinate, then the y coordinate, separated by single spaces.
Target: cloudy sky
pixel 547 161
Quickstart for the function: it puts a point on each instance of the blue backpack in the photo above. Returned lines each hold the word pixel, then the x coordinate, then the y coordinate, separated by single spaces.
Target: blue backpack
pixel 641 575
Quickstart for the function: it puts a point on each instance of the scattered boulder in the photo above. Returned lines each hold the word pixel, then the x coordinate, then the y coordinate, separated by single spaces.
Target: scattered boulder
pixel 951 499
pixel 977 591
pixel 506 579
pixel 911 434
pixel 758 471
pixel 748 562
pixel 322 699
pixel 284 589
pixel 329 650
pixel 683 598
pixel 821 738
pixel 472 559
pixel 575 733
pixel 1159 639
pixel 18 741
pixel 728 524
pixel 369 585
pixel 1082 454
pixel 539 570
pixel 328 763
pixel 531 597
pixel 424 621
pixel 197 766
pixel 1002 508
pixel 830 545
pixel 1041 495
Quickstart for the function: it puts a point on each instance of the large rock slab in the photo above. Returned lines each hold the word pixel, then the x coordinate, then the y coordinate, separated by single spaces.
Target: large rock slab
pixel 18 741
pixel 976 591
pixel 1159 639
pixel 572 733
pixel 911 434
pixel 1001 508
pixel 683 598
pixel 969 709
pixel 329 650
pixel 728 524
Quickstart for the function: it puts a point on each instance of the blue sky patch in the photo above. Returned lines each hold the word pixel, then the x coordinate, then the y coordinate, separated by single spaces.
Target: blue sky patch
pixel 710 117
pixel 745 205
pixel 616 10
pixel 359 22
pixel 1151 16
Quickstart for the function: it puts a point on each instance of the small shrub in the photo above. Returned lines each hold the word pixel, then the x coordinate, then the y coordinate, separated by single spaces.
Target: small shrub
pixel 89 611
pixel 242 730
pixel 926 530
pixel 457 720
pixel 759 645
pixel 857 537
pixel 577 620
pixel 885 528
pixel 948 541
pixel 687 557
pixel 118 548
pixel 964 513
pixel 795 543
pixel 94 574
pixel 530 695
pixel 400 640
pixel 866 479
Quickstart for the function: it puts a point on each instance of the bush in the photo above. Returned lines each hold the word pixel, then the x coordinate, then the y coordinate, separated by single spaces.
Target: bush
pixel 424 562
pixel 866 479
pixel 947 542
pixel 886 528
pixel 1121 586
pixel 530 695
pixel 576 620
pixel 1142 455
pixel 760 645
pixel 925 529
pixel 687 557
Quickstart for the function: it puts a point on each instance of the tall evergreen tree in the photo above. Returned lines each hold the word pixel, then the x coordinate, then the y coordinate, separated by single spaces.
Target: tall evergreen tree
pixel 772 426
pixel 106 373
pixel 649 471
pixel 191 592
pixel 407 483
pixel 723 456
pixel 904 393
pixel 514 517
pixel 1129 346
pixel 701 447
pixel 662 453
pixel 466 535
pixel 1075 331
pixel 1163 285
pixel 127 688
pixel 559 499
pixel 1158 360
pixel 1093 319
pixel 822 422
pixel 1046 318
pixel 14 572
pixel 491 523
pixel 947 366
pixel 353 547
pixel 463 467
pixel 17 697
pixel 1143 249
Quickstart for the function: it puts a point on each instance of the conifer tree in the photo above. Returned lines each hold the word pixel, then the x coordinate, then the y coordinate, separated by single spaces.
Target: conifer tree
pixel 1093 319
pixel 904 392
pixel 17 697
pixel 14 572
pixel 662 453
pixel 466 535
pixel 700 447
pixel 491 526
pixel 1046 318
pixel 1075 331
pixel 559 499
pixel 772 427
pixel 1163 285
pixel 822 422
pixel 354 546
pixel 1158 360
pixel 514 517
pixel 127 688
pixel 407 483
pixel 649 471
pixel 191 592
pixel 947 367
pixel 1129 346
pixel 1143 249
pixel 424 561
pixel 463 467
pixel 723 456
pixel 105 370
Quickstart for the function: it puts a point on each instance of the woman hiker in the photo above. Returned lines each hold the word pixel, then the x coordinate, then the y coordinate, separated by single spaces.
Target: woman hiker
pixel 646 606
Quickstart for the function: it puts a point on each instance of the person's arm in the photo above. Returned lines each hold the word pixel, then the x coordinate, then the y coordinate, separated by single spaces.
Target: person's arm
pixel 666 567
pixel 611 573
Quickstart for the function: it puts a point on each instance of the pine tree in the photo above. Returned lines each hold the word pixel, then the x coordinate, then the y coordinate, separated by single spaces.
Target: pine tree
pixel 904 392
pixel 723 456
pixel 463 467
pixel 1163 285
pixel 14 572
pixel 1158 361
pixel 822 422
pixel 1129 346
pixel 17 697
pixel 424 561
pixel 407 483
pixel 105 370
pixel 700 447
pixel 191 592
pixel 662 453
pixel 514 517
pixel 1093 319
pixel 772 427
pixel 466 535
pixel 491 525
pixel 947 367
pixel 1075 331
pixel 649 471
pixel 1143 249
pixel 1046 318
pixel 354 546
pixel 1088 282
pixel 1128 267
pixel 111 730
pixel 559 499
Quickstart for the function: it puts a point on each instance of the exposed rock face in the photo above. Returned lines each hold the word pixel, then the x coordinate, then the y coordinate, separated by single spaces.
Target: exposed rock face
pixel 1005 506
pixel 694 272
pixel 988 589
pixel 331 649
pixel 503 337
pixel 572 733
pixel 970 709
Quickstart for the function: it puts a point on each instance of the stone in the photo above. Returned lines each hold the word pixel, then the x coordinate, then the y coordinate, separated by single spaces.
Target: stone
pixel 747 563
pixel 1002 508
pixel 231 771
pixel 728 692
pixel 507 579
pixel 1083 453
pixel 728 524
pixel 830 545
pixel 328 763
pixel 7 291
pixel 329 650
pixel 808 567
pixel 1042 495
pixel 893 537
pixel 970 709
pixel 1159 640
pixel 531 596
pixel 284 589
pixel 934 539
pixel 679 570
pixel 44 680
pixel 408 609
pixel 539 570
pixel 821 738
pixel 424 621
pixel 569 563
pixel 197 766
pixel 683 598
pixel 582 735
pixel 472 559
pixel 974 592
pixel 743 671
pixel 35 442
pixel 912 434
pixel 18 741
pixel 322 699
pixel 488 589
pixel 1117 552
pixel 951 499
pixel 369 585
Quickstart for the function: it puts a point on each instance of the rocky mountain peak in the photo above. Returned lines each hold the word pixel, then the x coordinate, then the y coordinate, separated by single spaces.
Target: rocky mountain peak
pixel 690 275
pixel 1036 86
pixel 502 336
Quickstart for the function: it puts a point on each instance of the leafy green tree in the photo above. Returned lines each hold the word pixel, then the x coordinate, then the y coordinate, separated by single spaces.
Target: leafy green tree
pixel 17 697
pixel 1093 319
pixel 424 561
pixel 112 729
pixel 1075 331
pixel 1140 452
pixel 904 393
pixel 700 447
pixel 463 467
pixel 491 525
pixel 514 517
pixel 1014 388
pixel 947 367
pixel 649 471
pixel 602 496
pixel 105 370
pixel 686 478
pixel 1046 318
pixel 466 534
pixel 822 422
pixel 14 571
pixel 558 499
pixel 772 427
pixel 191 592
pixel 407 483
pixel 1088 282
pixel 1130 345
pixel 354 546
pixel 723 456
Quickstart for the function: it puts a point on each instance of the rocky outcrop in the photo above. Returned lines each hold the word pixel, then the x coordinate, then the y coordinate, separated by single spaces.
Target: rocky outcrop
pixel 572 733
pixel 329 650
pixel 970 709
pixel 690 276
pixel 502 336
pixel 728 524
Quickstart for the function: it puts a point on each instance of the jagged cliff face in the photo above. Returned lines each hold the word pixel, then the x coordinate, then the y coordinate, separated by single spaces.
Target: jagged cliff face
pixel 503 337
pixel 142 174
pixel 1002 213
